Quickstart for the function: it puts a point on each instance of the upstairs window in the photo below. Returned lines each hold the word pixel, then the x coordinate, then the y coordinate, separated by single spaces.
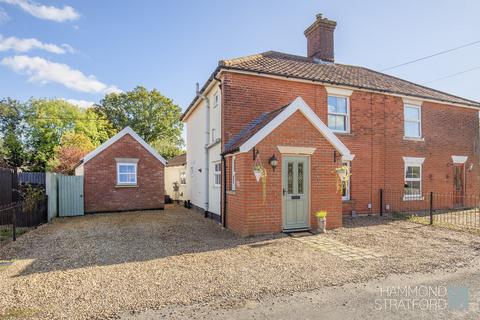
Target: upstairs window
pixel 338 114
pixel 217 174
pixel 126 173
pixel 412 121
pixel 216 99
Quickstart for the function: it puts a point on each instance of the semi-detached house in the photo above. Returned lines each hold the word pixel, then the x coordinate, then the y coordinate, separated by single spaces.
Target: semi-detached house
pixel 314 115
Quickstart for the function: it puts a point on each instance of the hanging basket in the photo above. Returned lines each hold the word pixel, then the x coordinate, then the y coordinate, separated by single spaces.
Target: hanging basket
pixel 258 174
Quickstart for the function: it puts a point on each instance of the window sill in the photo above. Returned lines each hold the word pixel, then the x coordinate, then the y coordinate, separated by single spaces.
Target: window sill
pixel 216 186
pixel 348 201
pixel 126 186
pixel 343 133
pixel 413 139
pixel 231 192
pixel 413 198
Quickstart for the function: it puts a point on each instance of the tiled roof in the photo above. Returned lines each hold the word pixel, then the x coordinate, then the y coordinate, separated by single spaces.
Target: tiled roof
pixel 180 160
pixel 292 66
pixel 250 130
pixel 282 64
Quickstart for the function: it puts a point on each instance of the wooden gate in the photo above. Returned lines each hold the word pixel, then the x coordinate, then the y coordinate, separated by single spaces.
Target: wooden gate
pixel 70 196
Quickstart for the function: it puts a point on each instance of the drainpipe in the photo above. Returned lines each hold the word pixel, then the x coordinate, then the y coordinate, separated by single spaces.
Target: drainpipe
pixel 207 136
pixel 224 217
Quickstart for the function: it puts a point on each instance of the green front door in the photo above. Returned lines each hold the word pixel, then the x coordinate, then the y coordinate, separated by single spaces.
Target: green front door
pixel 295 183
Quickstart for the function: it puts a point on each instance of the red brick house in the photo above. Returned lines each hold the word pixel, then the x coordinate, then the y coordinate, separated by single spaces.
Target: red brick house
pixel 314 115
pixel 123 174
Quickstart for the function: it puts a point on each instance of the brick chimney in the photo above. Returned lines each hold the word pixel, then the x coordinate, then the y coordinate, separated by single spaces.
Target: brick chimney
pixel 320 39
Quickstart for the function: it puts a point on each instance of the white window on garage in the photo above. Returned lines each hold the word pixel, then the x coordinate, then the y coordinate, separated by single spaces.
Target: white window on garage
pixel 126 173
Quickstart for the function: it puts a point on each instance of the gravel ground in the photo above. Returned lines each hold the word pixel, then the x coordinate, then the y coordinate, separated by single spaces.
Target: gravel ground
pixel 101 266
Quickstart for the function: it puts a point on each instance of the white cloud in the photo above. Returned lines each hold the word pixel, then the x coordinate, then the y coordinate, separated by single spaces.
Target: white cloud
pixel 3 16
pixel 44 71
pixel 24 45
pixel 81 103
pixel 45 12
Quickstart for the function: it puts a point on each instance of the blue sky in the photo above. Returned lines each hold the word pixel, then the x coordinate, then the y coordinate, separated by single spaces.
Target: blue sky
pixel 82 49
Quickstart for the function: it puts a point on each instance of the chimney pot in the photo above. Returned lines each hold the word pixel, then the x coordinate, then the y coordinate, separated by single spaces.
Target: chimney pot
pixel 320 39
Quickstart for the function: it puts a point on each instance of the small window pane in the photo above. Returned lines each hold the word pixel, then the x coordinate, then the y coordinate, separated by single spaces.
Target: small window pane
pixel 412 113
pixel 412 188
pixel 412 129
pixel 126 168
pixel 332 104
pixel 126 178
pixel 300 178
pixel 337 105
pixel 413 172
pixel 337 122
pixel 290 178
pixel 341 105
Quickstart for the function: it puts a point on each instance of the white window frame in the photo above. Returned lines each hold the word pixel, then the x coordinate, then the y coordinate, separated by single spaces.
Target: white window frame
pixel 213 135
pixel 216 99
pixel 233 174
pixel 347 196
pixel 413 162
pixel 217 174
pixel 118 173
pixel 419 121
pixel 346 115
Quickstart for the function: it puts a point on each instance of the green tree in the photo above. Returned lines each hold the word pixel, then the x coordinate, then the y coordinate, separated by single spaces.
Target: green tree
pixel 153 116
pixel 49 120
pixel 72 148
pixel 12 128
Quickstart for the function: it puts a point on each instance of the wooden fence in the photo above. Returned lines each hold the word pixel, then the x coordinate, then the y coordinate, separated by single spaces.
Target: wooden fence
pixel 32 178
pixel 6 186
pixel 22 215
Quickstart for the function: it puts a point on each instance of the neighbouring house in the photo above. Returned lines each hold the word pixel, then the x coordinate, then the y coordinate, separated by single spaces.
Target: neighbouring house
pixel 176 177
pixel 310 116
pixel 122 174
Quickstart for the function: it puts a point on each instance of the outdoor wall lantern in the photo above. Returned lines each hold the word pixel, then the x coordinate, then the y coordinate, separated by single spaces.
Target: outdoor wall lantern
pixel 273 162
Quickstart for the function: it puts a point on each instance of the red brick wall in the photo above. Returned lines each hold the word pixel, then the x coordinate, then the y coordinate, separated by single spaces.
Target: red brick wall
pixel 248 213
pixel 376 136
pixel 100 180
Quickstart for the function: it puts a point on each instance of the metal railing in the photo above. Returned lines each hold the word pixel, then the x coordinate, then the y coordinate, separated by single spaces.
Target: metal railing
pixel 22 215
pixel 451 210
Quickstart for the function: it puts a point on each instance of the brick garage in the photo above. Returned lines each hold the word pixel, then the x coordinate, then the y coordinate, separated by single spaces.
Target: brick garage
pixel 102 190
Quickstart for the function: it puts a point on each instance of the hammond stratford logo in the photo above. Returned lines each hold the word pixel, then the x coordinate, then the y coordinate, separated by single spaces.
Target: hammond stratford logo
pixel 422 298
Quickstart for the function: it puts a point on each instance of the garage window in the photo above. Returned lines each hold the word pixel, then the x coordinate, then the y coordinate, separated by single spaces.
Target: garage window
pixel 126 173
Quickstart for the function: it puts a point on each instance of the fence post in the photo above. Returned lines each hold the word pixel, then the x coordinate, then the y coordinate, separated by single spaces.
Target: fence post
pixel 15 194
pixel 14 223
pixel 381 202
pixel 431 207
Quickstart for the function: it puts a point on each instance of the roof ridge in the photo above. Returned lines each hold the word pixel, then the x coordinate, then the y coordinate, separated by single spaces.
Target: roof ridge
pixel 418 85
pixel 228 62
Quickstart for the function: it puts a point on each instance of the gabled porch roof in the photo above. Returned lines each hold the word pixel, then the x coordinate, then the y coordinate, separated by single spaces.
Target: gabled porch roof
pixel 262 126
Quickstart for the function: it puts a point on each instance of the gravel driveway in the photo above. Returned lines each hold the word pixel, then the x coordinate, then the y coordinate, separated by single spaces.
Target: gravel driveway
pixel 101 266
